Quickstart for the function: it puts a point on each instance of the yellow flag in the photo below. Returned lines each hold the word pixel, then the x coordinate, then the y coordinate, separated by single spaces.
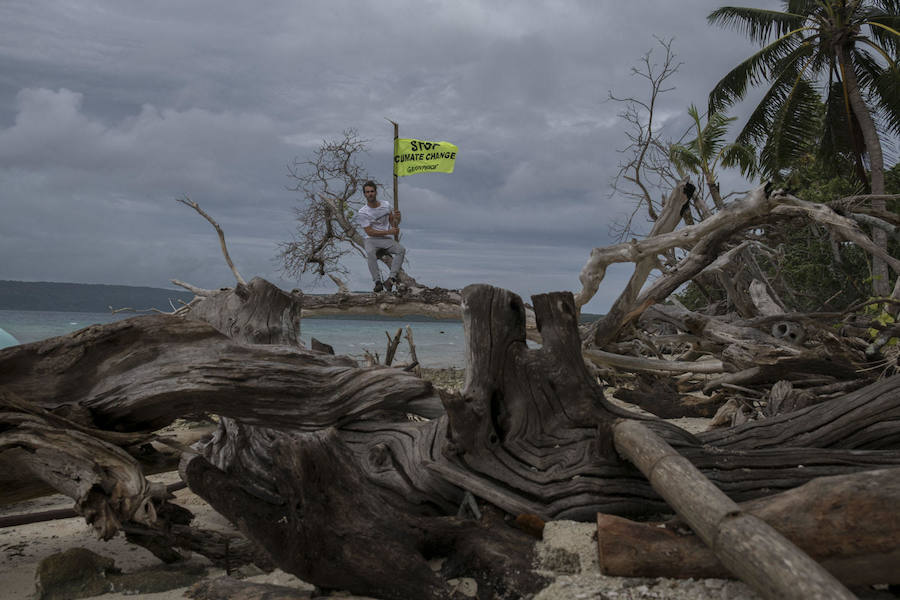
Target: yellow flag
pixel 421 156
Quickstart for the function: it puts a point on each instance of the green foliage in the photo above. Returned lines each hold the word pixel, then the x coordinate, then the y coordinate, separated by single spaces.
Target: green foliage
pixel 804 56
pixel 694 299
pixel 892 186
pixel 707 150
pixel 808 271
pixel 813 277
pixel 881 317
pixel 816 273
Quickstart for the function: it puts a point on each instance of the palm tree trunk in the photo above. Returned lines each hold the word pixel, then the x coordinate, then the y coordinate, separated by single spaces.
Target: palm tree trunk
pixel 881 283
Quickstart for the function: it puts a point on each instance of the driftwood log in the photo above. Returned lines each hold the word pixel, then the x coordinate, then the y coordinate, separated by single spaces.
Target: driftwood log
pixel 316 460
pixel 747 546
pixel 826 518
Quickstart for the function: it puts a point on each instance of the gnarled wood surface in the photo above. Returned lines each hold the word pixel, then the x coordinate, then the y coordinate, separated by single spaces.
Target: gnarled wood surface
pixel 827 518
pixel 309 443
pixel 438 303
pixel 254 313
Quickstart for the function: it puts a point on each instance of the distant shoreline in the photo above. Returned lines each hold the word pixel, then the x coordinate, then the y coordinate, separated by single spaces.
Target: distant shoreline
pixel 99 297
pixel 84 297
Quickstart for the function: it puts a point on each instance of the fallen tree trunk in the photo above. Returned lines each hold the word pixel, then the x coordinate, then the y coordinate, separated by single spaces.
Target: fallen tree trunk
pixel 745 544
pixel 849 524
pixel 309 442
pixel 151 369
pixel 438 303
pixel 105 481
pixel 660 396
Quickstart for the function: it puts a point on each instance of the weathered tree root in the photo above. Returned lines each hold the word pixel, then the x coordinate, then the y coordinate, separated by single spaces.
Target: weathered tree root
pixel 336 529
pixel 316 461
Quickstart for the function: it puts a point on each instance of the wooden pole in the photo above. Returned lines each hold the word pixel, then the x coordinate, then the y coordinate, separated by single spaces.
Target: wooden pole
pixel 746 545
pixel 394 170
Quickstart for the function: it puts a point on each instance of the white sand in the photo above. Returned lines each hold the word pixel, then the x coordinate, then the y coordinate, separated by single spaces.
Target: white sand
pixel 569 551
pixel 568 546
pixel 23 547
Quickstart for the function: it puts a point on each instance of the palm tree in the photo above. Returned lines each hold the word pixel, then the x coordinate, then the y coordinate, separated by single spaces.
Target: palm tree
pixel 708 150
pixel 844 48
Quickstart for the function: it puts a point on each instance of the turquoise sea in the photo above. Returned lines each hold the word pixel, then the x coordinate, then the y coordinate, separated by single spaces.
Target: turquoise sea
pixel 438 343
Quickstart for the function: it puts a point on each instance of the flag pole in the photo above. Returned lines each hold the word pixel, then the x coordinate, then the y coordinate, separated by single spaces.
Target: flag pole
pixel 394 171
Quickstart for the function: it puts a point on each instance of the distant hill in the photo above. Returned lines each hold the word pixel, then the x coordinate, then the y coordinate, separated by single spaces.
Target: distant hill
pixel 84 297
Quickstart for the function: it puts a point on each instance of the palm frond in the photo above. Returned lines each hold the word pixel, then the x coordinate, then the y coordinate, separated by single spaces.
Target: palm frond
pixel 759 124
pixel 741 156
pixel 790 119
pixel 684 158
pixel 888 7
pixel 793 126
pixel 762 65
pixel 866 67
pixel 885 31
pixel 840 135
pixel 714 133
pixel 756 23
pixel 801 7
pixel 886 86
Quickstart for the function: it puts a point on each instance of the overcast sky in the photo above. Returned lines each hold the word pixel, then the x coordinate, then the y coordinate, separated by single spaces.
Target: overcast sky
pixel 111 109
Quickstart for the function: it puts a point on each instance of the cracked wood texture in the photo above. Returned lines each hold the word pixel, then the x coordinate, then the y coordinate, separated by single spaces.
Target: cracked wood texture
pixel 310 444
pixel 849 524
pixel 254 313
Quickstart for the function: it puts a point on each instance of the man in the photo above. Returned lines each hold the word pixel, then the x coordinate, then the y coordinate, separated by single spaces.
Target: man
pixel 380 224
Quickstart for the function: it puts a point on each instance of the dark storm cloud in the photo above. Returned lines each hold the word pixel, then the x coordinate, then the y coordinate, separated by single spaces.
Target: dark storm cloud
pixel 110 110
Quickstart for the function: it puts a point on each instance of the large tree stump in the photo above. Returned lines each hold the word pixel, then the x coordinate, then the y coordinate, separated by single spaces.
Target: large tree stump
pixel 309 442
pixel 253 313
pixel 330 525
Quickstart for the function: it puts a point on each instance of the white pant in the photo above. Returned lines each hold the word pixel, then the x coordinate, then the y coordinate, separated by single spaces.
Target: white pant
pixel 397 252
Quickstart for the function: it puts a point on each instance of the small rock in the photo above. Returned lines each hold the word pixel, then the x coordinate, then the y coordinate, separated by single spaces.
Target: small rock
pixel 560 560
pixel 75 573
pixel 80 573
pixel 464 585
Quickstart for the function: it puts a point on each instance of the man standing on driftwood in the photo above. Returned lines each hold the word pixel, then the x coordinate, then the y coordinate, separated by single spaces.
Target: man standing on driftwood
pixel 379 223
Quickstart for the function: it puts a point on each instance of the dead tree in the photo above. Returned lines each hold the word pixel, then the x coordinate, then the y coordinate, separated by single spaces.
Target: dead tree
pixel 733 357
pixel 326 233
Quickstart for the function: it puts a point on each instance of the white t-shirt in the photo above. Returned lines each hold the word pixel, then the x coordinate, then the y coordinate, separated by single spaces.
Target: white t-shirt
pixel 379 218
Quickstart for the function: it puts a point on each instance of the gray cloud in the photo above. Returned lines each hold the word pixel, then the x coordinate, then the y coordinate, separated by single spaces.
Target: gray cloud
pixel 110 110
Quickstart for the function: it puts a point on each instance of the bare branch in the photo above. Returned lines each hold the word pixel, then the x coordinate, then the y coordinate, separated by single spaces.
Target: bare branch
pixel 328 183
pixel 647 167
pixel 187 202
pixel 194 289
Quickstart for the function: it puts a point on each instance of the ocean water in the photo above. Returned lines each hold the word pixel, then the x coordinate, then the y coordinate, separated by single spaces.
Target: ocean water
pixel 438 343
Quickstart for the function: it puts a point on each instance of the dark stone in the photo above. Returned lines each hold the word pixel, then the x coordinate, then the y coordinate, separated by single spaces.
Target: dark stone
pixel 80 573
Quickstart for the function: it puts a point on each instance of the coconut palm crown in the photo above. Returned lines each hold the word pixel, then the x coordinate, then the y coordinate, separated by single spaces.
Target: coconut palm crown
pixel 707 151
pixel 842 50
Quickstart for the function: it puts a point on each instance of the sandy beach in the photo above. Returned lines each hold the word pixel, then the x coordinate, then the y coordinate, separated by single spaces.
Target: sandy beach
pixel 568 553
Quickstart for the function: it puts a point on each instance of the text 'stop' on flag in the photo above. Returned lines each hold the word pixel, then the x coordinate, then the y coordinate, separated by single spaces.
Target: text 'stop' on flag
pixel 422 156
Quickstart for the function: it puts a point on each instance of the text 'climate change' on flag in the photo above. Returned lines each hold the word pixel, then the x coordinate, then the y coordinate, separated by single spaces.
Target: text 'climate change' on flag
pixel 421 156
